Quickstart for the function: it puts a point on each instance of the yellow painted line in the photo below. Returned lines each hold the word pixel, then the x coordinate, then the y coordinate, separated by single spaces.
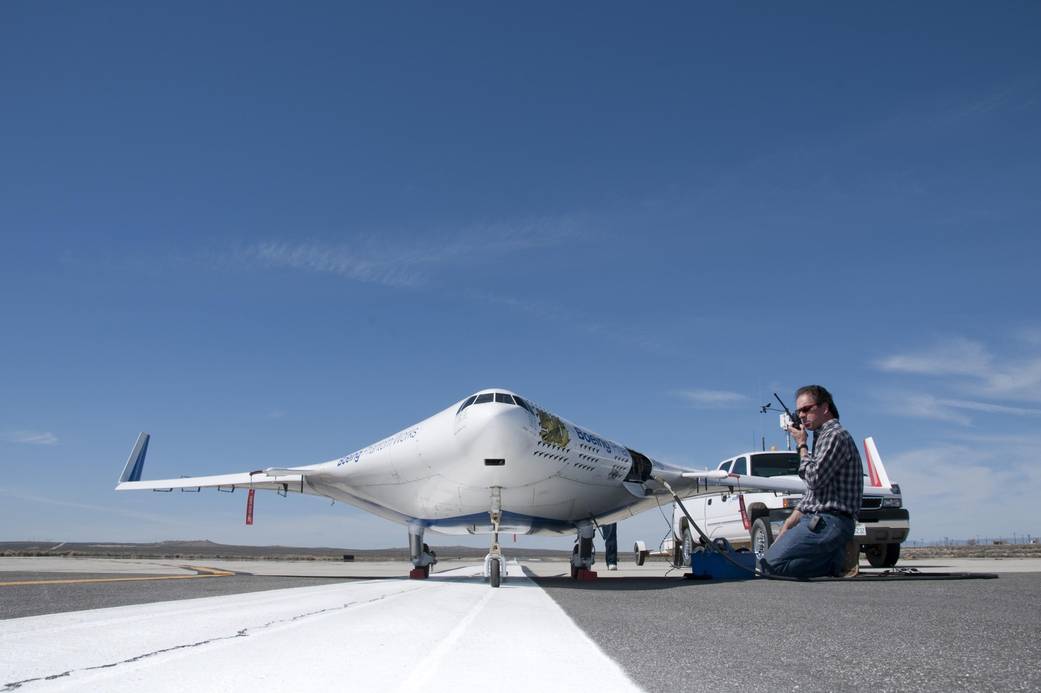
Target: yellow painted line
pixel 209 572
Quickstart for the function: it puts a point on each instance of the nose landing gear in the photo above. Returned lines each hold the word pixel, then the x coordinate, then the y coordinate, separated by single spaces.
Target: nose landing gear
pixel 494 563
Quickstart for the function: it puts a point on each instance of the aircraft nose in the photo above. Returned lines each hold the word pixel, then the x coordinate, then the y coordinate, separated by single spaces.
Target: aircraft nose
pixel 497 439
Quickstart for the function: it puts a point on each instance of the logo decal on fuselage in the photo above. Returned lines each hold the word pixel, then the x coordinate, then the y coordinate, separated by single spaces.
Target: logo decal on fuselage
pixel 593 440
pixel 553 430
pixel 407 434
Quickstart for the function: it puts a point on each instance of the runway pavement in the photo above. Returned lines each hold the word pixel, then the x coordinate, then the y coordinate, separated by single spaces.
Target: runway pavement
pixel 111 625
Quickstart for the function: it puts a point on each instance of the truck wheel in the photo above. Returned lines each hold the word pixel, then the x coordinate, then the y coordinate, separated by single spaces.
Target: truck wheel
pixel 677 552
pixel 882 555
pixel 762 537
pixel 688 546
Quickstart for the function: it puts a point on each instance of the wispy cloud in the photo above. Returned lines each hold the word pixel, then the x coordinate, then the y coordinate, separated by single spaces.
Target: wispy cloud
pixel 923 406
pixel 29 437
pixel 993 481
pixel 346 261
pixel 955 357
pixel 926 406
pixel 981 373
pixel 76 505
pixel 712 399
pixel 392 261
pixel 988 408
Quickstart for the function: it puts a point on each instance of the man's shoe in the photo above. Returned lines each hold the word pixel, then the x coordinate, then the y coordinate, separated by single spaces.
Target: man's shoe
pixel 612 566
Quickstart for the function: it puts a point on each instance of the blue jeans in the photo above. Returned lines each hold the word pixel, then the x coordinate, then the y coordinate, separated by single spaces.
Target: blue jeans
pixel 802 552
pixel 610 543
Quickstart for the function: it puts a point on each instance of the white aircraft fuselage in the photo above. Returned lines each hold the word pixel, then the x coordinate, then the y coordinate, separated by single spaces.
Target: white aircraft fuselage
pixel 441 473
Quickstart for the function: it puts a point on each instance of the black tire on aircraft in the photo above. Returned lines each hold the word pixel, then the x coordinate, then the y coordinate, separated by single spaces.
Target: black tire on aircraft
pixel 882 555
pixel 762 536
pixel 496 578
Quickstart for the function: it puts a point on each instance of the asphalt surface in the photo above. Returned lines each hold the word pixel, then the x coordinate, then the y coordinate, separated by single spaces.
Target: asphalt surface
pixel 67 594
pixel 670 635
pixel 673 634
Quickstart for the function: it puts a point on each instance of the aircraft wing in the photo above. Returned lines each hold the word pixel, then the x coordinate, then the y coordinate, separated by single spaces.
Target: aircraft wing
pixel 719 480
pixel 275 479
pixel 686 482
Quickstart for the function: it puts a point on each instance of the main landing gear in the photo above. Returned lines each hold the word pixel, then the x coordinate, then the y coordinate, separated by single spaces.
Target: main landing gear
pixel 582 557
pixel 420 554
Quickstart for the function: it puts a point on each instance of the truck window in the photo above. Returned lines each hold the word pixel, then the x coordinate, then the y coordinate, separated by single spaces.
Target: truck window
pixel 740 466
pixel 775 464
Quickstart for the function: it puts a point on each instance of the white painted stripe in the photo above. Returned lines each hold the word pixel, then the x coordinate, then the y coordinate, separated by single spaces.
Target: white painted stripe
pixel 452 632
pixel 423 674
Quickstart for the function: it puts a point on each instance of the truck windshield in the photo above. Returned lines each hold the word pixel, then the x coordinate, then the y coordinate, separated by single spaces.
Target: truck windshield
pixel 775 464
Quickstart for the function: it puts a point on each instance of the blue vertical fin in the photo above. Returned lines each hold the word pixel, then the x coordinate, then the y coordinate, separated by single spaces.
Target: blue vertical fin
pixel 136 461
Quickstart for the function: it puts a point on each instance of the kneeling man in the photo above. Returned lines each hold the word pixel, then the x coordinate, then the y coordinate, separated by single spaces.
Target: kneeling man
pixel 813 541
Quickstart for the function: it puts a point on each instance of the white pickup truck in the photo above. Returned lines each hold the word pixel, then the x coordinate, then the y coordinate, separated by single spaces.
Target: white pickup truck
pixel 753 519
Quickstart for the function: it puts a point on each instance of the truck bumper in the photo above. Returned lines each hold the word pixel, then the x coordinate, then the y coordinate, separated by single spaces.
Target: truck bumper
pixel 881 526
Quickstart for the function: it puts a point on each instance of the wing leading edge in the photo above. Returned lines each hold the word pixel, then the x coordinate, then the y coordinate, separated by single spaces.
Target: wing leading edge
pixel 273 478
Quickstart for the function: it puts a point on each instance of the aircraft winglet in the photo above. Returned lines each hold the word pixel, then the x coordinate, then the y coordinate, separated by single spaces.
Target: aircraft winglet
pixel 136 462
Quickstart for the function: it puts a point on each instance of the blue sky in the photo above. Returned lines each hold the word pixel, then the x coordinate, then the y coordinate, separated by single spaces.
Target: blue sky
pixel 272 236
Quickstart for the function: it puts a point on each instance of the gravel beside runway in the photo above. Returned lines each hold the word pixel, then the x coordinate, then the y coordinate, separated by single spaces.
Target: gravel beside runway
pixel 835 636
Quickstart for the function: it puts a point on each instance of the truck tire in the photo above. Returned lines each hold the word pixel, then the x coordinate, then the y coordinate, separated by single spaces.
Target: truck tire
pixel 762 537
pixel 882 555
pixel 677 551
pixel 687 546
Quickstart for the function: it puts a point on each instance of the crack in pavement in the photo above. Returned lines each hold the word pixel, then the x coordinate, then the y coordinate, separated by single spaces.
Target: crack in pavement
pixel 244 633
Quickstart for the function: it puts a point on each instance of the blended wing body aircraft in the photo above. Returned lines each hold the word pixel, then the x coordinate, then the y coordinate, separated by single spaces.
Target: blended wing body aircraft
pixel 490 463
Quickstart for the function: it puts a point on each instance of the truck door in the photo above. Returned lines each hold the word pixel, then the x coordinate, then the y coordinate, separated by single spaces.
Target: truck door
pixel 717 508
pixel 731 525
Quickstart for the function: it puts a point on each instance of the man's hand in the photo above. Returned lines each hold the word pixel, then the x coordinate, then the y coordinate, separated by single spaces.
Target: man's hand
pixel 799 434
pixel 792 520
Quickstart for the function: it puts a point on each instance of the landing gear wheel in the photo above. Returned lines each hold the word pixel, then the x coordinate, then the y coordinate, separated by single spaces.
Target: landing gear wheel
pixel 640 552
pixel 495 579
pixel 687 547
pixel 762 537
pixel 882 555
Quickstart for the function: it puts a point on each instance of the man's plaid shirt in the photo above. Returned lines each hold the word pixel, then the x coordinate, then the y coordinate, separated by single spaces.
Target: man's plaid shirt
pixel 833 474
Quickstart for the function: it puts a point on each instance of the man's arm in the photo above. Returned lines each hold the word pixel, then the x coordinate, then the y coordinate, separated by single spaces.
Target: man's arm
pixel 792 520
pixel 818 469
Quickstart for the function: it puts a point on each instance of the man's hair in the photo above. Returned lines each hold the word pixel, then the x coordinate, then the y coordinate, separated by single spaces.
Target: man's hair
pixel 820 396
